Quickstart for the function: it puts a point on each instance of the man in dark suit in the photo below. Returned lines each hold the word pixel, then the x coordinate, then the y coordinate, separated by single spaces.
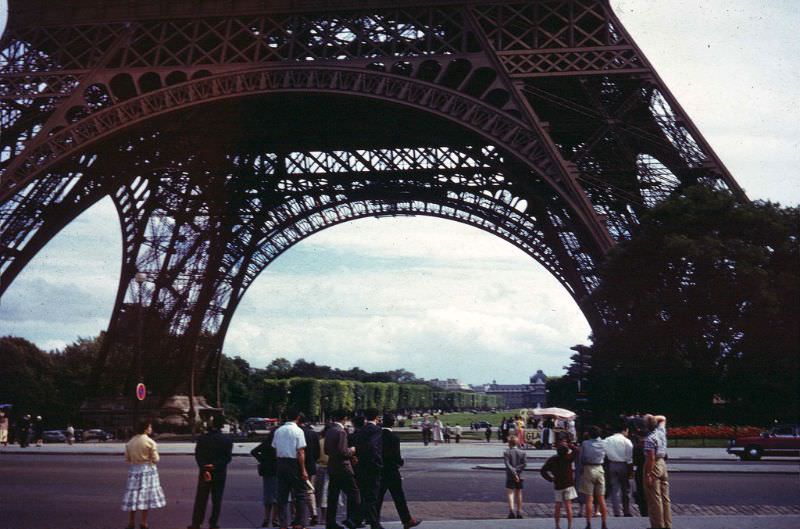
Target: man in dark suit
pixel 390 476
pixel 368 442
pixel 212 453
pixel 341 474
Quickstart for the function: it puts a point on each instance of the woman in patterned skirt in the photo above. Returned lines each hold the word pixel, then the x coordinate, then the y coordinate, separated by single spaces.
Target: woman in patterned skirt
pixel 143 491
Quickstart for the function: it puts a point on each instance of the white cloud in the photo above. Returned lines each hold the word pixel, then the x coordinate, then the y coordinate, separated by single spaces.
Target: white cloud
pixel 475 307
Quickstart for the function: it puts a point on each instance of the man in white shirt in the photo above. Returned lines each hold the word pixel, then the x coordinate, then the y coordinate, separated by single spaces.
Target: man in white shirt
pixel 619 452
pixel 289 443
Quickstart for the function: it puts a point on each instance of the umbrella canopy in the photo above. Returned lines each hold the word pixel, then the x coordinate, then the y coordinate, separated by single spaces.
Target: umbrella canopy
pixel 561 413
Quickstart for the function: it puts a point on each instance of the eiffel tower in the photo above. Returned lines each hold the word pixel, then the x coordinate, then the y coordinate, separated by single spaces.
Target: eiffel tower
pixel 226 131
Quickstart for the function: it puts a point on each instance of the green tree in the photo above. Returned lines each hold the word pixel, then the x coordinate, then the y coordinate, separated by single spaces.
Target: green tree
pixel 702 301
pixel 279 368
pixel 26 379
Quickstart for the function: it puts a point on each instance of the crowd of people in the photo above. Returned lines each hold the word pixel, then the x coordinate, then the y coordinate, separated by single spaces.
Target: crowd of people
pixel 599 468
pixel 25 430
pixel 306 475
pixel 434 431
pixel 543 431
pixel 303 473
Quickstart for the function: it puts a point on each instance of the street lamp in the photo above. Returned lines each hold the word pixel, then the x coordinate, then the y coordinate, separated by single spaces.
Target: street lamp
pixel 139 278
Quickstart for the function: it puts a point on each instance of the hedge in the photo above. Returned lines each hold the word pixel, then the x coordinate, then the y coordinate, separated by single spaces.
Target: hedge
pixel 316 397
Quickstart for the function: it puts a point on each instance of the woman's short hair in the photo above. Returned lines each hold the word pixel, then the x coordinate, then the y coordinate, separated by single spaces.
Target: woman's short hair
pixel 141 426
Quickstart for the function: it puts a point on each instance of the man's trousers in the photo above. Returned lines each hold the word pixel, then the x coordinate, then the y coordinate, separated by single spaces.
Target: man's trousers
pixel 289 480
pixel 215 488
pixel 369 483
pixel 619 486
pixel 339 481
pixel 657 491
pixel 395 487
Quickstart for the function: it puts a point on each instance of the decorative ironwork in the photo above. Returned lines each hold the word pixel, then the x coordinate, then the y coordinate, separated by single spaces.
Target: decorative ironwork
pixel 539 121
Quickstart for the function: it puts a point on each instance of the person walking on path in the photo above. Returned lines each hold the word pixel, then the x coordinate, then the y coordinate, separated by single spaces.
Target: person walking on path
pixel 520 432
pixel 290 447
pixel 70 434
pixel 3 428
pixel 619 452
pixel 515 462
pixel 390 476
pixel 212 453
pixel 143 490
pixel 312 456
pixel 321 478
pixel 268 470
pixel 426 430
pixel 24 431
pixel 592 482
pixel 341 473
pixel 38 431
pixel 438 430
pixel 558 470
pixel 369 453
pixel 656 475
pixel 488 433
pixel 458 431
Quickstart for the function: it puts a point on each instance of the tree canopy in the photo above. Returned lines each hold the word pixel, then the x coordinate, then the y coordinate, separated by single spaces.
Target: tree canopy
pixel 702 304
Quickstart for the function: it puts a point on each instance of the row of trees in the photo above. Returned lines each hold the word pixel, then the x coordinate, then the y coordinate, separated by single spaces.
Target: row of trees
pixel 54 385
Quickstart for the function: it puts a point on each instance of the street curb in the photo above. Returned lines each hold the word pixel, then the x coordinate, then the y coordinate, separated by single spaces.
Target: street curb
pixel 498 468
pixel 767 469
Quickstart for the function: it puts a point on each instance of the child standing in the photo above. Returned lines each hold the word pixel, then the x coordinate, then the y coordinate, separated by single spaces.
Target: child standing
pixel 514 459
pixel 558 470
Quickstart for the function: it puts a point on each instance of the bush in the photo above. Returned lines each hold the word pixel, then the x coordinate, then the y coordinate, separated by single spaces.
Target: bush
pixel 720 431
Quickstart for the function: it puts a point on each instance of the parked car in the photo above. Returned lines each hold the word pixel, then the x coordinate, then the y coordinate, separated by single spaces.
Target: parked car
pixel 54 436
pixel 259 425
pixel 483 424
pixel 97 435
pixel 780 440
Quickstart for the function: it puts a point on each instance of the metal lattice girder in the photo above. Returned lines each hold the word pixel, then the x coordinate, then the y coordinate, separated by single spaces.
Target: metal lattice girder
pixel 202 232
pixel 540 121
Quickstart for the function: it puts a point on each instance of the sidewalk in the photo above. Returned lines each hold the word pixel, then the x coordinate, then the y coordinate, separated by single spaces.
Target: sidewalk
pixel 484 454
pixel 682 522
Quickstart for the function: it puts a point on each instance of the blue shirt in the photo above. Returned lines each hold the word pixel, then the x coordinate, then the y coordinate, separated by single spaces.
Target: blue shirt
pixel 593 452
pixel 656 441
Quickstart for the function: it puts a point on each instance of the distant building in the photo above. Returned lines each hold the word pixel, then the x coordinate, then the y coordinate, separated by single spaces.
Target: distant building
pixel 531 395
pixel 451 384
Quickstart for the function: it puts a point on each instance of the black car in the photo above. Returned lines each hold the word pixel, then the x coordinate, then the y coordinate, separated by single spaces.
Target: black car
pixel 97 435
pixel 54 436
pixel 483 424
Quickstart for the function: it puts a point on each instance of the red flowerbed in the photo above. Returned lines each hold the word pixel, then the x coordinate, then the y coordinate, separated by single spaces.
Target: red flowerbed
pixel 712 432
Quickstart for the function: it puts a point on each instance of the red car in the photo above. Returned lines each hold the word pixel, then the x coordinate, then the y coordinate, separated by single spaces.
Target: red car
pixel 780 440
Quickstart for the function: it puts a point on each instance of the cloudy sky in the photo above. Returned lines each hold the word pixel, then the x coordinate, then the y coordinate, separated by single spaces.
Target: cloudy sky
pixel 436 297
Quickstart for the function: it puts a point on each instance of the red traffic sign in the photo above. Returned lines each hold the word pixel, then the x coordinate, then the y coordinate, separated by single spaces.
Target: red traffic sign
pixel 141 391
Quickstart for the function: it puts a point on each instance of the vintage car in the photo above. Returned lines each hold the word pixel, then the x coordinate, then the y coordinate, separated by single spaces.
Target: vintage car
pixel 780 440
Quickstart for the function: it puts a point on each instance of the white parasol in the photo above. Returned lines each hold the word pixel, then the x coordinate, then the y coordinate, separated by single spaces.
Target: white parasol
pixel 560 413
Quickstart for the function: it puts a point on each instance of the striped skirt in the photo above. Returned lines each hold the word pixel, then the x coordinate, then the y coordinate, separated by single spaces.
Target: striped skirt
pixel 143 491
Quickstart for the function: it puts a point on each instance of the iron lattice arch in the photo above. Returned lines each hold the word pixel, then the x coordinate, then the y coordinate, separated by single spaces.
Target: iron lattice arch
pixel 226 136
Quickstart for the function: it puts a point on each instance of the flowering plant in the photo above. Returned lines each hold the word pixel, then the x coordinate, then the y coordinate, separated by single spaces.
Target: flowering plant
pixel 719 431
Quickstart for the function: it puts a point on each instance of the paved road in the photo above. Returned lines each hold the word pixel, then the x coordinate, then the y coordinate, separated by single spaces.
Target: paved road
pixel 66 492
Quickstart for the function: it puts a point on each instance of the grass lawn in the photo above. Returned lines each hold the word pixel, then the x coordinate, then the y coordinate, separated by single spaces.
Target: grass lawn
pixel 465 418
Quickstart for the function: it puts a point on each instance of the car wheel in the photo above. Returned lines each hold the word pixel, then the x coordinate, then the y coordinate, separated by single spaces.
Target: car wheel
pixel 752 453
